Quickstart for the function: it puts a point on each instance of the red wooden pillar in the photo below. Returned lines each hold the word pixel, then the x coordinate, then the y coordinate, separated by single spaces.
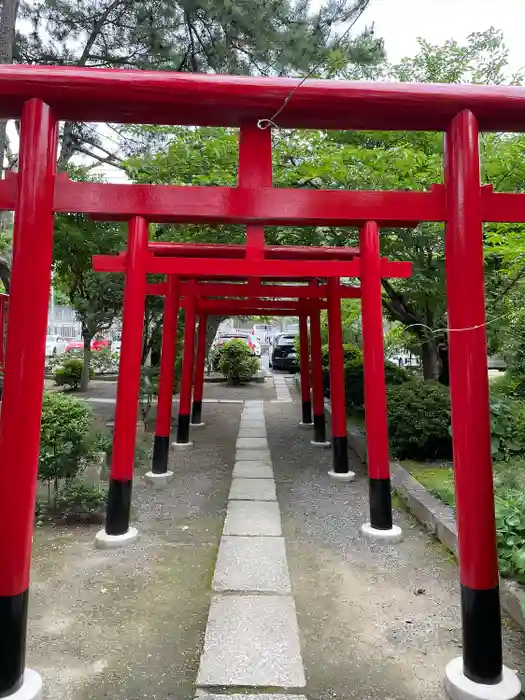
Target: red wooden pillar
pixel 380 525
pixel 200 362
pixel 117 529
pixel 340 469
pixel 168 355
pixel 481 663
pixel 3 303
pixel 317 379
pixel 23 383
pixel 183 427
pixel 304 366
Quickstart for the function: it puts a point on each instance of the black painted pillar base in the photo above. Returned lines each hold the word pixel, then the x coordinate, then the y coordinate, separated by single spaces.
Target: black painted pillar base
pixel 481 621
pixel 196 412
pixel 307 413
pixel 380 504
pixel 119 507
pixel 161 447
pixel 13 626
pixel 340 454
pixel 319 428
pixel 183 428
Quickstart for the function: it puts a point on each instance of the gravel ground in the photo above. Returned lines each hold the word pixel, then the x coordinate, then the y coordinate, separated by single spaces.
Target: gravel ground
pixel 247 392
pixel 129 624
pixel 376 622
pixel 108 390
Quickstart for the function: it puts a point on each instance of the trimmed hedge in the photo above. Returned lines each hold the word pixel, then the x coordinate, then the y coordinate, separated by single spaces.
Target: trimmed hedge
pixel 419 420
pixel 351 353
pixel 354 374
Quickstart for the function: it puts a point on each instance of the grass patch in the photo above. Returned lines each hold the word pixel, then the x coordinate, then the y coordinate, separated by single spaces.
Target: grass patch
pixel 436 478
pixel 509 496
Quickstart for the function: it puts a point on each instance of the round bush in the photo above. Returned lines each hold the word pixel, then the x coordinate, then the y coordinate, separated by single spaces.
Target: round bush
pixel 419 420
pixel 355 380
pixel 351 353
pixel 236 362
pixel 70 372
pixel 80 502
pixel 66 437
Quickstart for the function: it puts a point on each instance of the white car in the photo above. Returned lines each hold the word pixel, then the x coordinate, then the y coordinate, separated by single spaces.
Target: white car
pixel 55 345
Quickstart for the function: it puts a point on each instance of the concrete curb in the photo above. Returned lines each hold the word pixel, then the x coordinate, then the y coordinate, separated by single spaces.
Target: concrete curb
pixel 438 518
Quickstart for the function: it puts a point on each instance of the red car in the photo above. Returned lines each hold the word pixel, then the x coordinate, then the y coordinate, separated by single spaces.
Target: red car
pixel 74 345
pixel 96 344
pixel 99 343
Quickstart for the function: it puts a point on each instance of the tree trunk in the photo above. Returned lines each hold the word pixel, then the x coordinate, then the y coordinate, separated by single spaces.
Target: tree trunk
pixel 444 377
pixel 84 381
pixel 430 359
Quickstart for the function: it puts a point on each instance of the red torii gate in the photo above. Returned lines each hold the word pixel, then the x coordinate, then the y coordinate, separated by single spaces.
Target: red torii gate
pixel 41 95
pixel 160 258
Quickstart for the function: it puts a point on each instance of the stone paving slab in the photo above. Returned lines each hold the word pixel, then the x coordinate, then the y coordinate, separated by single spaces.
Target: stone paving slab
pixel 203 695
pixel 252 490
pixel 253 456
pixel 255 423
pixel 252 564
pixel 253 518
pixel 252 415
pixel 252 470
pixel 259 432
pixel 252 640
pixel 251 443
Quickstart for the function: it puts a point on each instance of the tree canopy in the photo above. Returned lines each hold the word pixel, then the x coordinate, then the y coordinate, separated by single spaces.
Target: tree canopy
pixel 372 160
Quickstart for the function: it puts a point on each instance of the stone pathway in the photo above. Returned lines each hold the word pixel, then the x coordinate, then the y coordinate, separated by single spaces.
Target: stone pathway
pixel 252 637
pixel 249 581
pixel 281 388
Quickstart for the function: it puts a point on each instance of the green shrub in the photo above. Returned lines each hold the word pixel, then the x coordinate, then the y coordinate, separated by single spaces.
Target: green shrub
pixel 149 389
pixel 351 353
pixel 215 358
pixel 104 362
pixel 354 383
pixel 70 372
pixel 236 362
pixel 80 502
pixel 396 375
pixel 508 384
pixel 66 438
pixel 419 420
pixel 510 534
pixel 507 426
pixel 355 380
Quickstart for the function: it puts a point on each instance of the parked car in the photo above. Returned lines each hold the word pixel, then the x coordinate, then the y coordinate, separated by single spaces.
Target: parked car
pixel 254 347
pixel 78 345
pixel 75 346
pixel 99 344
pixel 282 353
pixel 55 345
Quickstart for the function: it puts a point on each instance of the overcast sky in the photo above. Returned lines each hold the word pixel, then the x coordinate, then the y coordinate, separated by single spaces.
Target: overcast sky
pixel 401 22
